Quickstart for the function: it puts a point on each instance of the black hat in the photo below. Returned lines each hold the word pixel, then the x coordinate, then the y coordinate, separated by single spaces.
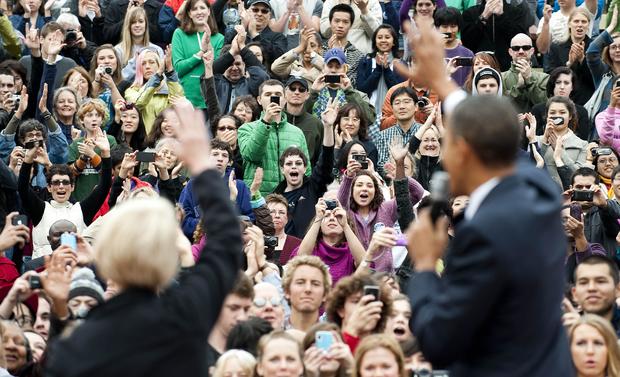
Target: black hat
pixel 266 2
pixel 297 79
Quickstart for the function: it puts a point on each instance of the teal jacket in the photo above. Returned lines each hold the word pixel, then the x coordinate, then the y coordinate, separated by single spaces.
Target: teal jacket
pixel 189 67
pixel 262 144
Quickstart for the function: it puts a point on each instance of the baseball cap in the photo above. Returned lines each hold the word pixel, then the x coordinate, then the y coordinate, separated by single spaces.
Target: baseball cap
pixel 296 79
pixel 266 2
pixel 335 53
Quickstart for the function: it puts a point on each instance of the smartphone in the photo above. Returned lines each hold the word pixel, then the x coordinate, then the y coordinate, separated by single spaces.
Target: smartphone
pixel 618 84
pixel 558 121
pixel 332 79
pixel 20 220
pixel 331 204
pixel 463 62
pixel 31 144
pixel 582 196
pixel 323 340
pixel 275 99
pixel 575 211
pixel 145 156
pixel 372 290
pixel 69 240
pixel 35 282
pixel 362 159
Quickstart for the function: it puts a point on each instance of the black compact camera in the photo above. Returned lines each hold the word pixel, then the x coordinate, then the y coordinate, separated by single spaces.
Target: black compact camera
pixel 35 282
pixel 108 70
pixel 270 241
pixel 582 196
pixel 601 151
pixel 361 159
pixel 331 204
pixel 71 36
pixel 32 144
pixel 423 102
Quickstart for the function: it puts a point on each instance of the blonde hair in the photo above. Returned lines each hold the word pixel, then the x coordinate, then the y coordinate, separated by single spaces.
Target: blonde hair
pixel 136 245
pixel 126 44
pixel 604 328
pixel 278 334
pixel 306 260
pixel 372 342
pixel 244 358
pixel 167 141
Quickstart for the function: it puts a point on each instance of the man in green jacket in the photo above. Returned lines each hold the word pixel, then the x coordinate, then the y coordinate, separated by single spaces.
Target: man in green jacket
pixel 523 85
pixel 262 142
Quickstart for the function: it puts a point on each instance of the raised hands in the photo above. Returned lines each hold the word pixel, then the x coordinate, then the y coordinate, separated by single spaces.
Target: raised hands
pixel 13 234
pixel 32 40
pixel 398 150
pixel 101 141
pixel 43 100
pixel 195 145
pixel 257 181
pixel 328 116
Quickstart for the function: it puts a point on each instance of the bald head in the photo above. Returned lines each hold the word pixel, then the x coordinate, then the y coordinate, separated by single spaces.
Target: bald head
pixel 57 229
pixel 521 47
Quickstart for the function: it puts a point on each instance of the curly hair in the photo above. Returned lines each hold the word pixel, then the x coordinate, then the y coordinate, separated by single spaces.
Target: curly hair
pixel 378 199
pixel 93 104
pixel 354 284
pixel 306 260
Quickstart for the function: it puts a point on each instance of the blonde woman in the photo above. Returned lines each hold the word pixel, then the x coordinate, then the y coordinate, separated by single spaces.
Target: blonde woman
pixel 379 351
pixel 594 347
pixel 137 248
pixel 135 37
pixel 235 363
pixel 425 146
pixel 279 354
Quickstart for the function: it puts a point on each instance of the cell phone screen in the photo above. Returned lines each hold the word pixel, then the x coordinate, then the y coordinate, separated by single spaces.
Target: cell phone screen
pixel 332 79
pixel 145 156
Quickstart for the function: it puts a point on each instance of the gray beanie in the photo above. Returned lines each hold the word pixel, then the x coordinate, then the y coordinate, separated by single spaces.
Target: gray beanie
pixel 83 283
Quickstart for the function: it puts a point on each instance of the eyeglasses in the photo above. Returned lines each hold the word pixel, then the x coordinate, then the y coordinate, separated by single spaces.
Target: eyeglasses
pixel 299 89
pixel 226 128
pixel 261 10
pixel 260 302
pixel 524 48
pixel 58 182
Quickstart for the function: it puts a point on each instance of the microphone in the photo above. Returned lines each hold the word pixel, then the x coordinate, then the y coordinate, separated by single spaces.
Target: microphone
pixel 440 194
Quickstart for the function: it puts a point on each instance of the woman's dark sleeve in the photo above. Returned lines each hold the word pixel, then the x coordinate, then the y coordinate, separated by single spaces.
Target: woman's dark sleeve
pixel 49 77
pixel 403 202
pixel 565 174
pixel 207 89
pixel 90 206
pixel 36 76
pixel 169 189
pixel 32 204
pixel 196 303
pixel 367 78
pixel 414 144
pixel 115 130
pixel 115 191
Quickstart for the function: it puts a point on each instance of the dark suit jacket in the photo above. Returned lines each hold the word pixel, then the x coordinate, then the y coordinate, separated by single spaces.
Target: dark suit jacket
pixel 496 310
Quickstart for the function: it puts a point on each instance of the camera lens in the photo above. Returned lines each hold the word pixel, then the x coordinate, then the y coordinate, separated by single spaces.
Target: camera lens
pixel 108 70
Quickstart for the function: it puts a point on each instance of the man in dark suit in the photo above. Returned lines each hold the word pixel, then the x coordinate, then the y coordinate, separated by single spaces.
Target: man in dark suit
pixel 496 311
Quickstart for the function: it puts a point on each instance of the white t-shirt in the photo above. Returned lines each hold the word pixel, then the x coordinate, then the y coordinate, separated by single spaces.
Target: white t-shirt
pixel 558 25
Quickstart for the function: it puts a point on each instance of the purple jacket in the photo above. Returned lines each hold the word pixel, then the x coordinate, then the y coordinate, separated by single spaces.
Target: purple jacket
pixel 338 258
pixel 608 127
pixel 386 214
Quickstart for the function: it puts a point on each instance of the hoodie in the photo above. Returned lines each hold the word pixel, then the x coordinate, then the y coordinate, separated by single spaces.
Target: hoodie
pixel 485 73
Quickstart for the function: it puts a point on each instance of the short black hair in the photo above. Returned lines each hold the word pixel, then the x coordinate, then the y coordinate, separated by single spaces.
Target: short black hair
pixel 389 28
pixel 117 153
pixel 271 82
pixel 448 16
pixel 490 125
pixel 216 121
pixel 599 259
pixel 29 126
pixel 553 77
pixel 293 151
pixel 404 90
pixel 570 106
pixel 246 334
pixel 58 169
pixel 17 67
pixel 346 8
pixel 585 172
pixel 222 146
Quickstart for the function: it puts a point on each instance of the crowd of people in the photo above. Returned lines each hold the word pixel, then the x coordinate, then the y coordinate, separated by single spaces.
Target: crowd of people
pixel 223 188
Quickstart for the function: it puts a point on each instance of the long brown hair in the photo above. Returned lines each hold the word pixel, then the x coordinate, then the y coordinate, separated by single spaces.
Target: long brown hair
pixel 376 201
pixel 187 25
pixel 116 75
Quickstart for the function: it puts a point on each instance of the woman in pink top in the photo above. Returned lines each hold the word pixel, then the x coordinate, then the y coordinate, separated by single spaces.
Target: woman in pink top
pixel 608 121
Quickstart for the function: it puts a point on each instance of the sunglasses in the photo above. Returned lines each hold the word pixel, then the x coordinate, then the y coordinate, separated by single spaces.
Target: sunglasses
pixel 261 10
pixel 260 302
pixel 299 89
pixel 58 182
pixel 524 48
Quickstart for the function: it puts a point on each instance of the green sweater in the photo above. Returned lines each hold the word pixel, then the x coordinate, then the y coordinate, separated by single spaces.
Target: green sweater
pixel 189 67
pixel 88 179
pixel 262 144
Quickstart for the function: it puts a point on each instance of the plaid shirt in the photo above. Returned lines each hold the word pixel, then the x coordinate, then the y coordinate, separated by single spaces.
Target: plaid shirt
pixel 383 139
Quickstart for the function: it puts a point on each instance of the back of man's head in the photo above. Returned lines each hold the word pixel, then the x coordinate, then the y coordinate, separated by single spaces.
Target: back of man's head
pixel 490 126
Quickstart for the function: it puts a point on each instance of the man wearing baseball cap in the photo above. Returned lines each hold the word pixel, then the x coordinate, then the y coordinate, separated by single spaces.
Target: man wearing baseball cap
pixel 334 83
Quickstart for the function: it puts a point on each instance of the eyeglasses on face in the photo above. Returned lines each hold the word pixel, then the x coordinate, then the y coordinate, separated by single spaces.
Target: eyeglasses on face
pixel 58 182
pixel 260 302
pixel 524 48
pixel 297 88
pixel 261 10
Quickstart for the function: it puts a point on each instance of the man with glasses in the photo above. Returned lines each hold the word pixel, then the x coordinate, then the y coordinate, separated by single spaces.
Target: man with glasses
pixel 268 305
pixel 258 30
pixel 296 94
pixel 525 86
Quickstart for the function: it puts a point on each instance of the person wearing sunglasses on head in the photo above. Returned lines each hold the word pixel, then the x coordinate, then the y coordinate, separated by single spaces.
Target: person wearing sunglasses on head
pixel 268 304
pixel 525 86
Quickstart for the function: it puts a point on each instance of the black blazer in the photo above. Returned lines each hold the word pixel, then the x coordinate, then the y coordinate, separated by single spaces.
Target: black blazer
pixel 497 309
pixel 138 333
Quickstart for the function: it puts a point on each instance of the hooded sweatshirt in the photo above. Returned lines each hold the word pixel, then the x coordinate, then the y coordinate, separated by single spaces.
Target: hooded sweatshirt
pixel 485 73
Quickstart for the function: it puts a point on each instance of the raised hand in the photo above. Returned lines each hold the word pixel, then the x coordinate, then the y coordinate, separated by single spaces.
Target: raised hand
pixel 86 149
pixel 195 144
pixel 398 150
pixel 102 142
pixel 13 234
pixel 232 186
pixel 23 102
pixel 43 100
pixel 257 181
pixel 328 117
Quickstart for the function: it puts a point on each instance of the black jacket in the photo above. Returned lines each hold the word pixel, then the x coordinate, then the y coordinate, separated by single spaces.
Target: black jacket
pixel 494 34
pixel 81 56
pixel 114 16
pixel 584 84
pixel 302 212
pixel 425 166
pixel 496 311
pixel 138 333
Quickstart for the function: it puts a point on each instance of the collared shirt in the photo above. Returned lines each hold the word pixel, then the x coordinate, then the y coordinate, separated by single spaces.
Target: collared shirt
pixel 386 137
pixel 477 197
